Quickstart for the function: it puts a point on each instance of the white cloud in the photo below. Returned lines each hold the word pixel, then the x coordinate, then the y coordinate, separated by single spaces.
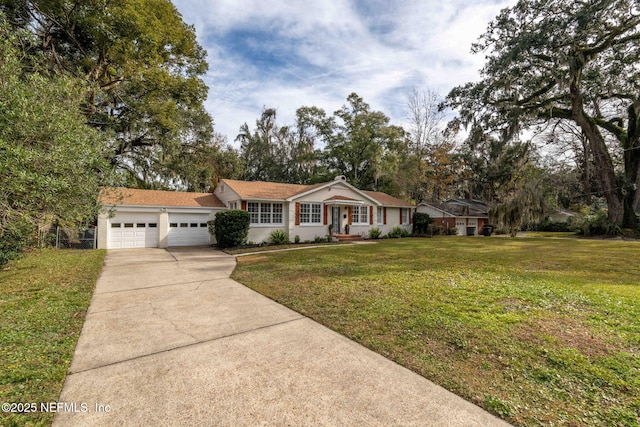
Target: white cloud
pixel 328 49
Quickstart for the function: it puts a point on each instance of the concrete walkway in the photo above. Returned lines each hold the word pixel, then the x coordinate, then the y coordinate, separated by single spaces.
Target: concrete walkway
pixel 170 340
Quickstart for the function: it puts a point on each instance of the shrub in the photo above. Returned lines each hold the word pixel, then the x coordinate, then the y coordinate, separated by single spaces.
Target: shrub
pixel 17 235
pixel 435 229
pixel 421 222
pixel 375 233
pixel 598 225
pixel 397 232
pixel 452 231
pixel 231 228
pixel 500 230
pixel 279 237
pixel 319 239
pixel 296 239
pixel 552 226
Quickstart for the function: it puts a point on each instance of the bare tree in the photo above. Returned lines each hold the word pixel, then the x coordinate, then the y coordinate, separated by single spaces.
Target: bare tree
pixel 430 148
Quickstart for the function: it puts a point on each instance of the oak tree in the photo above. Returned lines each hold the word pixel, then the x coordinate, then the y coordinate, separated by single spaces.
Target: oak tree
pixel 573 60
pixel 144 67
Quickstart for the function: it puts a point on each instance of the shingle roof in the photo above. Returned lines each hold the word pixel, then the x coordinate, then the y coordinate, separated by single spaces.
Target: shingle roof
pixel 134 196
pixel 267 190
pixel 386 199
pixel 463 207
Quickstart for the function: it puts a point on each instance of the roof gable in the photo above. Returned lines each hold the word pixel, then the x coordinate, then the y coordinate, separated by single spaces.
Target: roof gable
pixel 139 197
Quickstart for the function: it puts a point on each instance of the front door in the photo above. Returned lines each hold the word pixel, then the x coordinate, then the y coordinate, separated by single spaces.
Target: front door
pixel 335 219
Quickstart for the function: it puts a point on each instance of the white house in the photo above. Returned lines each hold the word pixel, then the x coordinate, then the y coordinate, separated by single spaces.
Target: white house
pixel 149 218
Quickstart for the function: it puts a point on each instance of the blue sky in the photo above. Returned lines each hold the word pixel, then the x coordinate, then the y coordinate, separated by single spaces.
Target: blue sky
pixel 287 54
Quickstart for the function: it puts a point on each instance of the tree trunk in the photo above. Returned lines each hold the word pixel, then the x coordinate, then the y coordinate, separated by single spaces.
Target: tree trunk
pixel 604 169
pixel 603 163
pixel 586 170
pixel 632 167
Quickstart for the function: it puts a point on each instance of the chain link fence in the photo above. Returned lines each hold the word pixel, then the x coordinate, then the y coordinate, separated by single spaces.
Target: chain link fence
pixel 75 238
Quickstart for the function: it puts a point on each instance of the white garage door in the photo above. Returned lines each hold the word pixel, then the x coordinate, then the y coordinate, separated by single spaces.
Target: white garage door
pixel 188 229
pixel 133 231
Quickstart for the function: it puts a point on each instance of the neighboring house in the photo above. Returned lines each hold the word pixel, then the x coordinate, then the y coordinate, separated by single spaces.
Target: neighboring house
pixel 561 215
pixel 149 218
pixel 468 216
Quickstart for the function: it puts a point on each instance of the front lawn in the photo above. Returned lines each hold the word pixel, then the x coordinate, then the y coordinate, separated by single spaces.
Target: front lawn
pixel 537 331
pixel 43 300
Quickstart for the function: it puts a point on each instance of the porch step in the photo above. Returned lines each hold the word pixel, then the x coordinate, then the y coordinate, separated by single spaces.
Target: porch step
pixel 348 237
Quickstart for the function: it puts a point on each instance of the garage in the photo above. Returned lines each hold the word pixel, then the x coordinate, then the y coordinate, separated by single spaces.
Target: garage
pixel 138 218
pixel 133 231
pixel 188 229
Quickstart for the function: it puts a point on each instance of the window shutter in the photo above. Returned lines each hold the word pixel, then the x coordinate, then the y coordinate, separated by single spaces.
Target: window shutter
pixel 350 217
pixel 244 205
pixel 297 213
pixel 384 215
pixel 371 215
pixel 400 215
pixel 326 214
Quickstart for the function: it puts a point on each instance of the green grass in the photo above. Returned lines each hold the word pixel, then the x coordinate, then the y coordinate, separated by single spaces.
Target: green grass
pixel 538 331
pixel 266 248
pixel 43 300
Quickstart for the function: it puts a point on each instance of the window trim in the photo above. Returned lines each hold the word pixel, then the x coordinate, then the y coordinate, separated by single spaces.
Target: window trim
pixel 314 212
pixel 266 215
pixel 357 215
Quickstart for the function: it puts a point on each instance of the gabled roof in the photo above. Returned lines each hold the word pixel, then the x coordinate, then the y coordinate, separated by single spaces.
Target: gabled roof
pixel 138 197
pixel 462 207
pixel 287 192
pixel 267 190
pixel 387 200
pixel 467 207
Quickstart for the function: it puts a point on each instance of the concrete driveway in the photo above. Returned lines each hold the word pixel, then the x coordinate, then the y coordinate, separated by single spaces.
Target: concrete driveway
pixel 170 340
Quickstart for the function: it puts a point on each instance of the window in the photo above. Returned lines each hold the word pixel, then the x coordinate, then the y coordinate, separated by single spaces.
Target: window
pixel 254 212
pixel 140 225
pixel 116 225
pixel 203 224
pixel 128 225
pixel 310 213
pixel 305 213
pixel 360 215
pixel 380 218
pixel 265 213
pixel 173 225
pixel 153 225
pixel 405 216
pixel 315 213
pixel 364 214
pixel 277 213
